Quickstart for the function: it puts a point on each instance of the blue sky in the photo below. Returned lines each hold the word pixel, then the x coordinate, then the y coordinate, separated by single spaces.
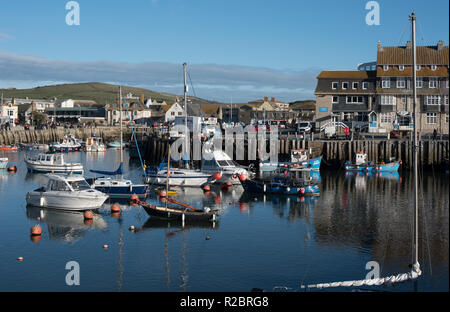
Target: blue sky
pixel 235 49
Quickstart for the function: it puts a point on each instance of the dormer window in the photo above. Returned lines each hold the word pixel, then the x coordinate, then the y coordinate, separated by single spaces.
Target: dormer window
pixel 385 67
pixel 355 86
pixel 334 85
pixel 345 85
pixel 433 67
pixel 401 67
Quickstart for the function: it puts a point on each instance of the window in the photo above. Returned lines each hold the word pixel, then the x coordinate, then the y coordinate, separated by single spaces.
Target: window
pixel 433 67
pixel 446 83
pixel 433 83
pixel 385 83
pixel 419 82
pixel 180 113
pixel 385 67
pixel 433 100
pixel 355 100
pixel 365 85
pixel 345 85
pixel 386 118
pixel 446 100
pixel 431 118
pixel 401 84
pixel 172 113
pixel 335 99
pixel 387 100
pixel 401 67
pixel 446 118
pixel 334 85
pixel 404 100
pixel 355 85
pixel 418 67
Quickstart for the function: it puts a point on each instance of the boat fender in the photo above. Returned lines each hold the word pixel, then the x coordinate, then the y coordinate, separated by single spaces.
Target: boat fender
pixel 41 201
pixel 264 188
pixel 207 209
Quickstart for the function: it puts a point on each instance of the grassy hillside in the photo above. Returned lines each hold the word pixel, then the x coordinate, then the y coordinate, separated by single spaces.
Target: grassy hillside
pixel 308 104
pixel 101 93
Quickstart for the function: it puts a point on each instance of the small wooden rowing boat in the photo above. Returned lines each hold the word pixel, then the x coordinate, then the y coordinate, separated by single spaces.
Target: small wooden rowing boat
pixel 187 213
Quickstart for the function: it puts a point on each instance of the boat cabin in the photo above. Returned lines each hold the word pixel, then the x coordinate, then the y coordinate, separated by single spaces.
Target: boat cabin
pixel 361 158
pixel 299 155
pixel 66 183
pixel 218 160
pixel 50 159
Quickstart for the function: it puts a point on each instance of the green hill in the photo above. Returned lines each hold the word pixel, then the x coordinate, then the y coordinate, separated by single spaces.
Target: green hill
pixel 101 93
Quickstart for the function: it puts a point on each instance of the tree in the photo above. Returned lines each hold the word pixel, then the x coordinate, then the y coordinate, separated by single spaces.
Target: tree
pixel 38 118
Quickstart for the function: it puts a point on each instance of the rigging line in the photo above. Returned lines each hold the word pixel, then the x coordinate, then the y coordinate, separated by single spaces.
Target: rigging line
pixel 403 32
pixel 134 135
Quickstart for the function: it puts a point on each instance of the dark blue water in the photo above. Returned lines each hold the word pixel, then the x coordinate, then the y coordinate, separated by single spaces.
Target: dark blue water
pixel 259 241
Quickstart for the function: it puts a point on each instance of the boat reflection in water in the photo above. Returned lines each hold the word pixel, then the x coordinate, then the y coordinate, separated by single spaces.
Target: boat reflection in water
pixel 155 223
pixel 395 176
pixel 66 226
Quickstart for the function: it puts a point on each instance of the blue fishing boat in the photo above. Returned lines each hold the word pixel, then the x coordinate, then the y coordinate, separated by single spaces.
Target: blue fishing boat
pixel 296 181
pixel 361 164
pixel 299 157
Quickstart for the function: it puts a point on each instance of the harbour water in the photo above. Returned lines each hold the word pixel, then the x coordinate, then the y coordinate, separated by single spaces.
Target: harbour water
pixel 268 242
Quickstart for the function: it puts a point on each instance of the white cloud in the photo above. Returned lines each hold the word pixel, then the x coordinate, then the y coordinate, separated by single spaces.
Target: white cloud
pixel 210 81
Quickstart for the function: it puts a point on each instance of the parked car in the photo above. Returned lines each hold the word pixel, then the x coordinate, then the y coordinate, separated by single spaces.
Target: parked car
pixel 304 127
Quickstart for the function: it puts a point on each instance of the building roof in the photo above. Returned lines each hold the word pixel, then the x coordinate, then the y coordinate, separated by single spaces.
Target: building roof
pixel 402 55
pixel 346 74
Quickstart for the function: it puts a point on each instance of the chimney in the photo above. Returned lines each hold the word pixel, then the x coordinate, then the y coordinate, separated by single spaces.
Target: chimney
pixel 266 98
pixel 408 45
pixel 379 45
pixel 440 45
pixel 272 100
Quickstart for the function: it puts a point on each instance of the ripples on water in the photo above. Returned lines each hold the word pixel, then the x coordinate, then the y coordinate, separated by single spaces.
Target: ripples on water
pixel 259 241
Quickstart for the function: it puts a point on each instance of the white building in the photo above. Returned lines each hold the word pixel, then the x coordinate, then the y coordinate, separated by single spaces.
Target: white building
pixel 175 110
pixel 11 111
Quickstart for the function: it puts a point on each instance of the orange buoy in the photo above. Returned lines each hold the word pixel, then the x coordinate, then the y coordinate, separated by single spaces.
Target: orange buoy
pixel 36 230
pixel 229 183
pixel 162 194
pixel 234 176
pixel 217 176
pixel 88 215
pixel 19 258
pixel 38 218
pixel 105 246
pixel 12 169
pixel 206 188
pixel 302 191
pixel 115 208
pixel 134 198
pixel 242 177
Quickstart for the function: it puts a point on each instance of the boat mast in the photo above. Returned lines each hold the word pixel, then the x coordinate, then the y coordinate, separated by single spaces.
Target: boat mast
pixel 121 130
pixel 185 117
pixel 167 179
pixel 416 265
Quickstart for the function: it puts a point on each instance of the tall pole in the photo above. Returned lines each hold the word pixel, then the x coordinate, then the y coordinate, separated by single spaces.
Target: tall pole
pixel 416 147
pixel 120 119
pixel 185 117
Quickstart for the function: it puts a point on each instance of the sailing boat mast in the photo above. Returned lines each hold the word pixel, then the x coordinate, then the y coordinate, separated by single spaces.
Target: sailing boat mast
pixel 185 117
pixel 120 118
pixel 416 266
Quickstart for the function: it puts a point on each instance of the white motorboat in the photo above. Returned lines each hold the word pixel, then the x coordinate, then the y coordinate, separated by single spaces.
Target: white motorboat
pixel 69 144
pixel 52 163
pixel 94 144
pixel 221 163
pixel 178 177
pixel 66 192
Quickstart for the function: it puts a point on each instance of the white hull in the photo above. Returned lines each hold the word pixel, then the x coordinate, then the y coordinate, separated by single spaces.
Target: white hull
pixel 66 168
pixel 186 178
pixel 66 200
pixel 97 149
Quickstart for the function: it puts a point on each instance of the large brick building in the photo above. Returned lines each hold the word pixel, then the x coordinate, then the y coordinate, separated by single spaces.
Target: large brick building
pixel 381 96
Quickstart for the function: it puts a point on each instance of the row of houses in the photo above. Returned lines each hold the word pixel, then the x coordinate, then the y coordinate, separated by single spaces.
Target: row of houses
pixel 75 111
pixel 380 94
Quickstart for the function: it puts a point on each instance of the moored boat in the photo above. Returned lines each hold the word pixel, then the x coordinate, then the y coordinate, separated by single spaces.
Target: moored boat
pixel 291 182
pixel 69 144
pixel 8 148
pixel 361 164
pixel 299 157
pixel 67 192
pixel 52 163
pixel 183 213
pixel 94 144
